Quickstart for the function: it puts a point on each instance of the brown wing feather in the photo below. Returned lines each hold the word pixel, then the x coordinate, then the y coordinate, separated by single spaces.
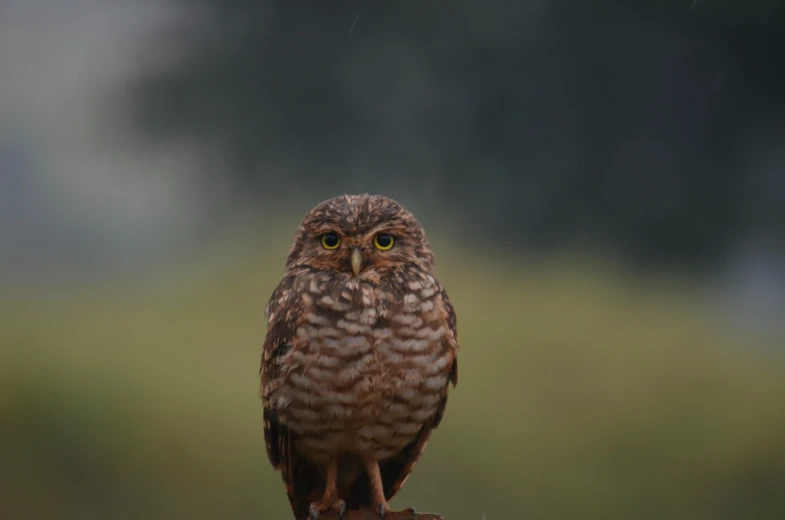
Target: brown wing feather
pixel 396 470
pixel 300 478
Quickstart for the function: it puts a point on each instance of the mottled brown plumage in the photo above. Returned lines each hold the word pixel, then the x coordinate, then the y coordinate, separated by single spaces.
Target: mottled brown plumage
pixel 361 345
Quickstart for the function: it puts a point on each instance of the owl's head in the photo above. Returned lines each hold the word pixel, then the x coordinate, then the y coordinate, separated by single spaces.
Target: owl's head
pixel 360 234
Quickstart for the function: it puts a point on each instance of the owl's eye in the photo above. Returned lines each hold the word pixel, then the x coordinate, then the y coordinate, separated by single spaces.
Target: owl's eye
pixel 383 241
pixel 331 241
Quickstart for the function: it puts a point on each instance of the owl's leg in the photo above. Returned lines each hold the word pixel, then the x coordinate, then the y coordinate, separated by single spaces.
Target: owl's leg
pixel 378 502
pixel 330 498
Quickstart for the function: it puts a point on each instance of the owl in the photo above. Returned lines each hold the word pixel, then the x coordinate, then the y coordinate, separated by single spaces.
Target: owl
pixel 360 349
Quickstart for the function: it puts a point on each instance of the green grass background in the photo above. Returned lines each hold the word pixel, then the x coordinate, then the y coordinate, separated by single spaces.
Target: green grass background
pixel 583 393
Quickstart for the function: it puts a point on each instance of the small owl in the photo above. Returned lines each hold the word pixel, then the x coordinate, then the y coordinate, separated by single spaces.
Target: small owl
pixel 360 349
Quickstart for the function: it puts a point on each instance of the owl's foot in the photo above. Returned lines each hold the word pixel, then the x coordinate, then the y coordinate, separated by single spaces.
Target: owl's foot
pixel 377 489
pixel 325 504
pixel 330 498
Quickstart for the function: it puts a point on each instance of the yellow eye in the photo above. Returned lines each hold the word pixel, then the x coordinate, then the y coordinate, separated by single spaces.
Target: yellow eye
pixel 383 241
pixel 331 241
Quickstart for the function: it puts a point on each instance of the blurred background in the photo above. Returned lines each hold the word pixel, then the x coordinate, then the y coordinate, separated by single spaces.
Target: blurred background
pixel 603 183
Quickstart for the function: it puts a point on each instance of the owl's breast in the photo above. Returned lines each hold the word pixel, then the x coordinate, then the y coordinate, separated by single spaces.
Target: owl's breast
pixel 369 368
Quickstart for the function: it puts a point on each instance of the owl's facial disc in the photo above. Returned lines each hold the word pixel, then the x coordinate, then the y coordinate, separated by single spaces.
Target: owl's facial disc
pixel 360 251
pixel 360 235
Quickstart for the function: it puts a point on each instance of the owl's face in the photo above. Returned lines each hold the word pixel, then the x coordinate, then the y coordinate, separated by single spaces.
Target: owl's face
pixel 362 235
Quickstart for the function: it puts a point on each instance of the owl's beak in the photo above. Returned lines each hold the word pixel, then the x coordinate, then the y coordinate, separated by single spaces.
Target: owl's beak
pixel 357 261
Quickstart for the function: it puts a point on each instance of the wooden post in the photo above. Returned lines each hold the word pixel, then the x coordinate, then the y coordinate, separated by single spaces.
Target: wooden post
pixel 370 515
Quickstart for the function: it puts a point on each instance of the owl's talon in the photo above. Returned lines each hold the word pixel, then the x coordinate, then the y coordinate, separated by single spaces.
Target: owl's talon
pixel 382 510
pixel 411 510
pixel 340 507
pixel 327 503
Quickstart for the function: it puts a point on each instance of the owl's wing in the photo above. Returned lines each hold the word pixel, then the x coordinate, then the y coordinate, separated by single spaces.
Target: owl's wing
pixel 299 476
pixel 396 470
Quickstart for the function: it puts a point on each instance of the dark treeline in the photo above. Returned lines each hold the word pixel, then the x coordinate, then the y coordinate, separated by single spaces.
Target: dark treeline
pixel 656 127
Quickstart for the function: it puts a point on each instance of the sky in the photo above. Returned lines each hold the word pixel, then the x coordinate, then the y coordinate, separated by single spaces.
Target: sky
pixel 79 192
